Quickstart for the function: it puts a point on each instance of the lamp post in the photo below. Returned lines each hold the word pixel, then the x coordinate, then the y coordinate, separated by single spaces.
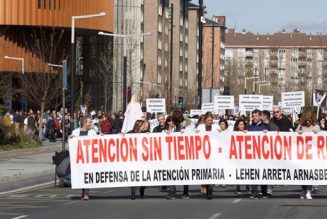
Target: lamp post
pixel 73 55
pixel 18 59
pixel 64 88
pixel 249 78
pixel 22 60
pixel 124 36
pixel 257 82
pixel 261 85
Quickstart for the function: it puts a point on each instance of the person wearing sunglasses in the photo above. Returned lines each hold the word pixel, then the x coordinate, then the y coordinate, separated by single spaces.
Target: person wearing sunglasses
pixel 283 123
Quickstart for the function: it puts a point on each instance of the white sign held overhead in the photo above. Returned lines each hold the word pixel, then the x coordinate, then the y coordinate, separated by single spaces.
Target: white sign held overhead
pixel 208 107
pixel 224 102
pixel 250 102
pixel 267 103
pixel 293 99
pixel 156 105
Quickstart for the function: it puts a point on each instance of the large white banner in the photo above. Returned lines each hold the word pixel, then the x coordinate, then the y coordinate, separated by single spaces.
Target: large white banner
pixel 198 158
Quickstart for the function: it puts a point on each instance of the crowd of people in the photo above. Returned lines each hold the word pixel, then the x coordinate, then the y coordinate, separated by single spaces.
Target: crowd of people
pixel 262 121
pixel 104 124
pixel 28 123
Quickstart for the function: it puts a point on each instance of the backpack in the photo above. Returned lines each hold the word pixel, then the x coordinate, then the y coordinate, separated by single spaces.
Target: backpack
pixel 59 157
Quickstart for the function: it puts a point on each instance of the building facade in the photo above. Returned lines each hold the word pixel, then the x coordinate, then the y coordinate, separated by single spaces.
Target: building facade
pixel 129 20
pixel 38 31
pixel 289 61
pixel 213 58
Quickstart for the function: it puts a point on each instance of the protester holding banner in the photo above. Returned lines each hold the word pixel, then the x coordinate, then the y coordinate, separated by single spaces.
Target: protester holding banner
pixel 169 124
pixel 283 123
pixel 200 121
pixel 322 123
pixel 178 118
pixel 138 128
pixel 307 125
pixel 223 125
pixel 85 130
pixel 208 126
pixel 266 119
pixel 239 126
pixel 258 125
pixel 161 126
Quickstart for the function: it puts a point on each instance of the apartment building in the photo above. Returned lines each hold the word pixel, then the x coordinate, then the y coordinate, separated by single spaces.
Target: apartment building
pixel 289 61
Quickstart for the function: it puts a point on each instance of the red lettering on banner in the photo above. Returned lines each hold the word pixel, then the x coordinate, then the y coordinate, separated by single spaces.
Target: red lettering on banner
pixel 265 150
pixel 260 147
pixel 80 155
pixel 151 150
pixel 169 140
pixel 188 147
pixel 206 147
pixel 94 151
pixel 308 142
pixel 86 143
pixel 111 154
pixel 104 150
pixel 197 145
pixel 300 147
pixel 180 148
pixel 278 145
pixel 232 148
pixel 304 146
pixel 145 153
pixel 321 147
pixel 247 147
pixel 256 148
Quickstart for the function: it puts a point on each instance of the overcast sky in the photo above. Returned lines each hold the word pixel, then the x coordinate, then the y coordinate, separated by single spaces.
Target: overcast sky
pixel 269 16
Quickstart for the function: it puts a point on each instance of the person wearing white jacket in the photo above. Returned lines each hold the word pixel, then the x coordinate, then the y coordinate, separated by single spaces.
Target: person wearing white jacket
pixel 208 126
pixel 84 130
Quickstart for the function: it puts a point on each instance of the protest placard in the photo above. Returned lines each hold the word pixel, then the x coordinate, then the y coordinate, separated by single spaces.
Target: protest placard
pixel 155 105
pixel 250 102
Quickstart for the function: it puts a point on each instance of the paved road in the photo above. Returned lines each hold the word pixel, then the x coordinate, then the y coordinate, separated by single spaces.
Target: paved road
pixel 27 167
pixel 54 202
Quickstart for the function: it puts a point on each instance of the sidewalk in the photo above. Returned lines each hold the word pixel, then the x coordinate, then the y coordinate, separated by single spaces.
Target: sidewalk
pixel 27 167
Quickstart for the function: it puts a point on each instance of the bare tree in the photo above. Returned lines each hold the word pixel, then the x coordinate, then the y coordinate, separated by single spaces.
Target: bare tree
pixel 44 84
pixel 105 73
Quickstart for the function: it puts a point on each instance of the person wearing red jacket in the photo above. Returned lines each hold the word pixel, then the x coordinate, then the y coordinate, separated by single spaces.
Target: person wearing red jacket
pixel 105 126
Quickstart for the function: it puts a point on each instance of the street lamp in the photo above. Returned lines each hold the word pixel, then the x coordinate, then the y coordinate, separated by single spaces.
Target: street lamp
pixel 249 78
pixel 18 59
pixel 261 85
pixel 23 71
pixel 73 54
pixel 257 82
pixel 124 36
pixel 64 88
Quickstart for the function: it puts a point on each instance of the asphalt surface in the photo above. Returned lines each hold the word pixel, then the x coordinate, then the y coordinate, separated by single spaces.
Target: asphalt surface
pixel 26 167
pixel 55 202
